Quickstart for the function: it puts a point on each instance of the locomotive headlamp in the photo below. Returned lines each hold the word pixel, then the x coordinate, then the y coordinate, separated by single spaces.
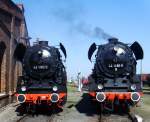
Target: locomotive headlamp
pixel 39 52
pixel 23 88
pixel 45 54
pixel 119 51
pixel 55 88
pixel 100 86
pixel 133 87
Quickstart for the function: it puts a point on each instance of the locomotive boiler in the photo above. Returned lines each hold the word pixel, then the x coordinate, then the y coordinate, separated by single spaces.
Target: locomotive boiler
pixel 114 81
pixel 43 79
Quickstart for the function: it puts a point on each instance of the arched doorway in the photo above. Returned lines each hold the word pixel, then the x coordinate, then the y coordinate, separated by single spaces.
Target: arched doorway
pixel 17 64
pixel 2 67
pixel 18 72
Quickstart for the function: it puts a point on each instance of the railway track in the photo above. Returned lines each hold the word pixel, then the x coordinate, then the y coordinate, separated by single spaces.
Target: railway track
pixel 22 118
pixel 51 118
pixel 37 117
pixel 132 117
pixel 27 117
pixel 128 117
pixel 114 118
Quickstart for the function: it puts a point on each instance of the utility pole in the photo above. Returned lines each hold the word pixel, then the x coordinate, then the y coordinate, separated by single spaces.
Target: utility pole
pixel 79 81
pixel 141 72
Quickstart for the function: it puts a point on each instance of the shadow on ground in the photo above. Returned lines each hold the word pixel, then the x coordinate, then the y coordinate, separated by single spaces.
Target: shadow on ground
pixel 39 110
pixel 87 106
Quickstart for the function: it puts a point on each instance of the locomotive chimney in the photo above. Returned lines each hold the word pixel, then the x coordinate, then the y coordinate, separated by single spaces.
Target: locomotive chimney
pixel 40 42
pixel 43 43
pixel 113 40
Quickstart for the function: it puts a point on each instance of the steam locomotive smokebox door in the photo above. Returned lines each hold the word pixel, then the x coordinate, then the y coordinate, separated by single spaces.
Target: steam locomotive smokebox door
pixel 40 60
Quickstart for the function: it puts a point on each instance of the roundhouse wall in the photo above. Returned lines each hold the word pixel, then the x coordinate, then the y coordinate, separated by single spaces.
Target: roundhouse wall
pixel 12 26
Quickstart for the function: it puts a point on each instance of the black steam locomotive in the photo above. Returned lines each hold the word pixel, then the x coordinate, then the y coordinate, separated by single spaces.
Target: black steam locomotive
pixel 113 80
pixel 43 79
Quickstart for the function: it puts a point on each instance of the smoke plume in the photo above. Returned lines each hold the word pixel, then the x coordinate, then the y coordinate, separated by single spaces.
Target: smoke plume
pixel 72 13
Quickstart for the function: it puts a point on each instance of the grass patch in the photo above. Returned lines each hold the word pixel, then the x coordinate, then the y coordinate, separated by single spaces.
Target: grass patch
pixel 146 88
pixel 144 110
pixel 73 95
pixel 71 88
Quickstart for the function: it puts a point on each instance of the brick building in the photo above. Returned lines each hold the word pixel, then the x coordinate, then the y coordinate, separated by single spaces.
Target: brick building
pixel 145 77
pixel 12 28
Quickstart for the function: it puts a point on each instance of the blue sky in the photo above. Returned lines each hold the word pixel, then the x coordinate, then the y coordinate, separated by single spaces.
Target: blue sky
pixel 73 22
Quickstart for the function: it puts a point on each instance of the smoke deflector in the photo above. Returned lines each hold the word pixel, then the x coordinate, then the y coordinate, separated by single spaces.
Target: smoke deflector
pixel 91 50
pixel 137 50
pixel 63 50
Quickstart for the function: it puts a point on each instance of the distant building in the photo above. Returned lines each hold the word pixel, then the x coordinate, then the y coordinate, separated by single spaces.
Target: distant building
pixel 12 27
pixel 145 77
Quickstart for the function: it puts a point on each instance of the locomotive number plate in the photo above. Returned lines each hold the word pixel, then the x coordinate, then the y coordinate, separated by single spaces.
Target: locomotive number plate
pixel 116 65
pixel 42 67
